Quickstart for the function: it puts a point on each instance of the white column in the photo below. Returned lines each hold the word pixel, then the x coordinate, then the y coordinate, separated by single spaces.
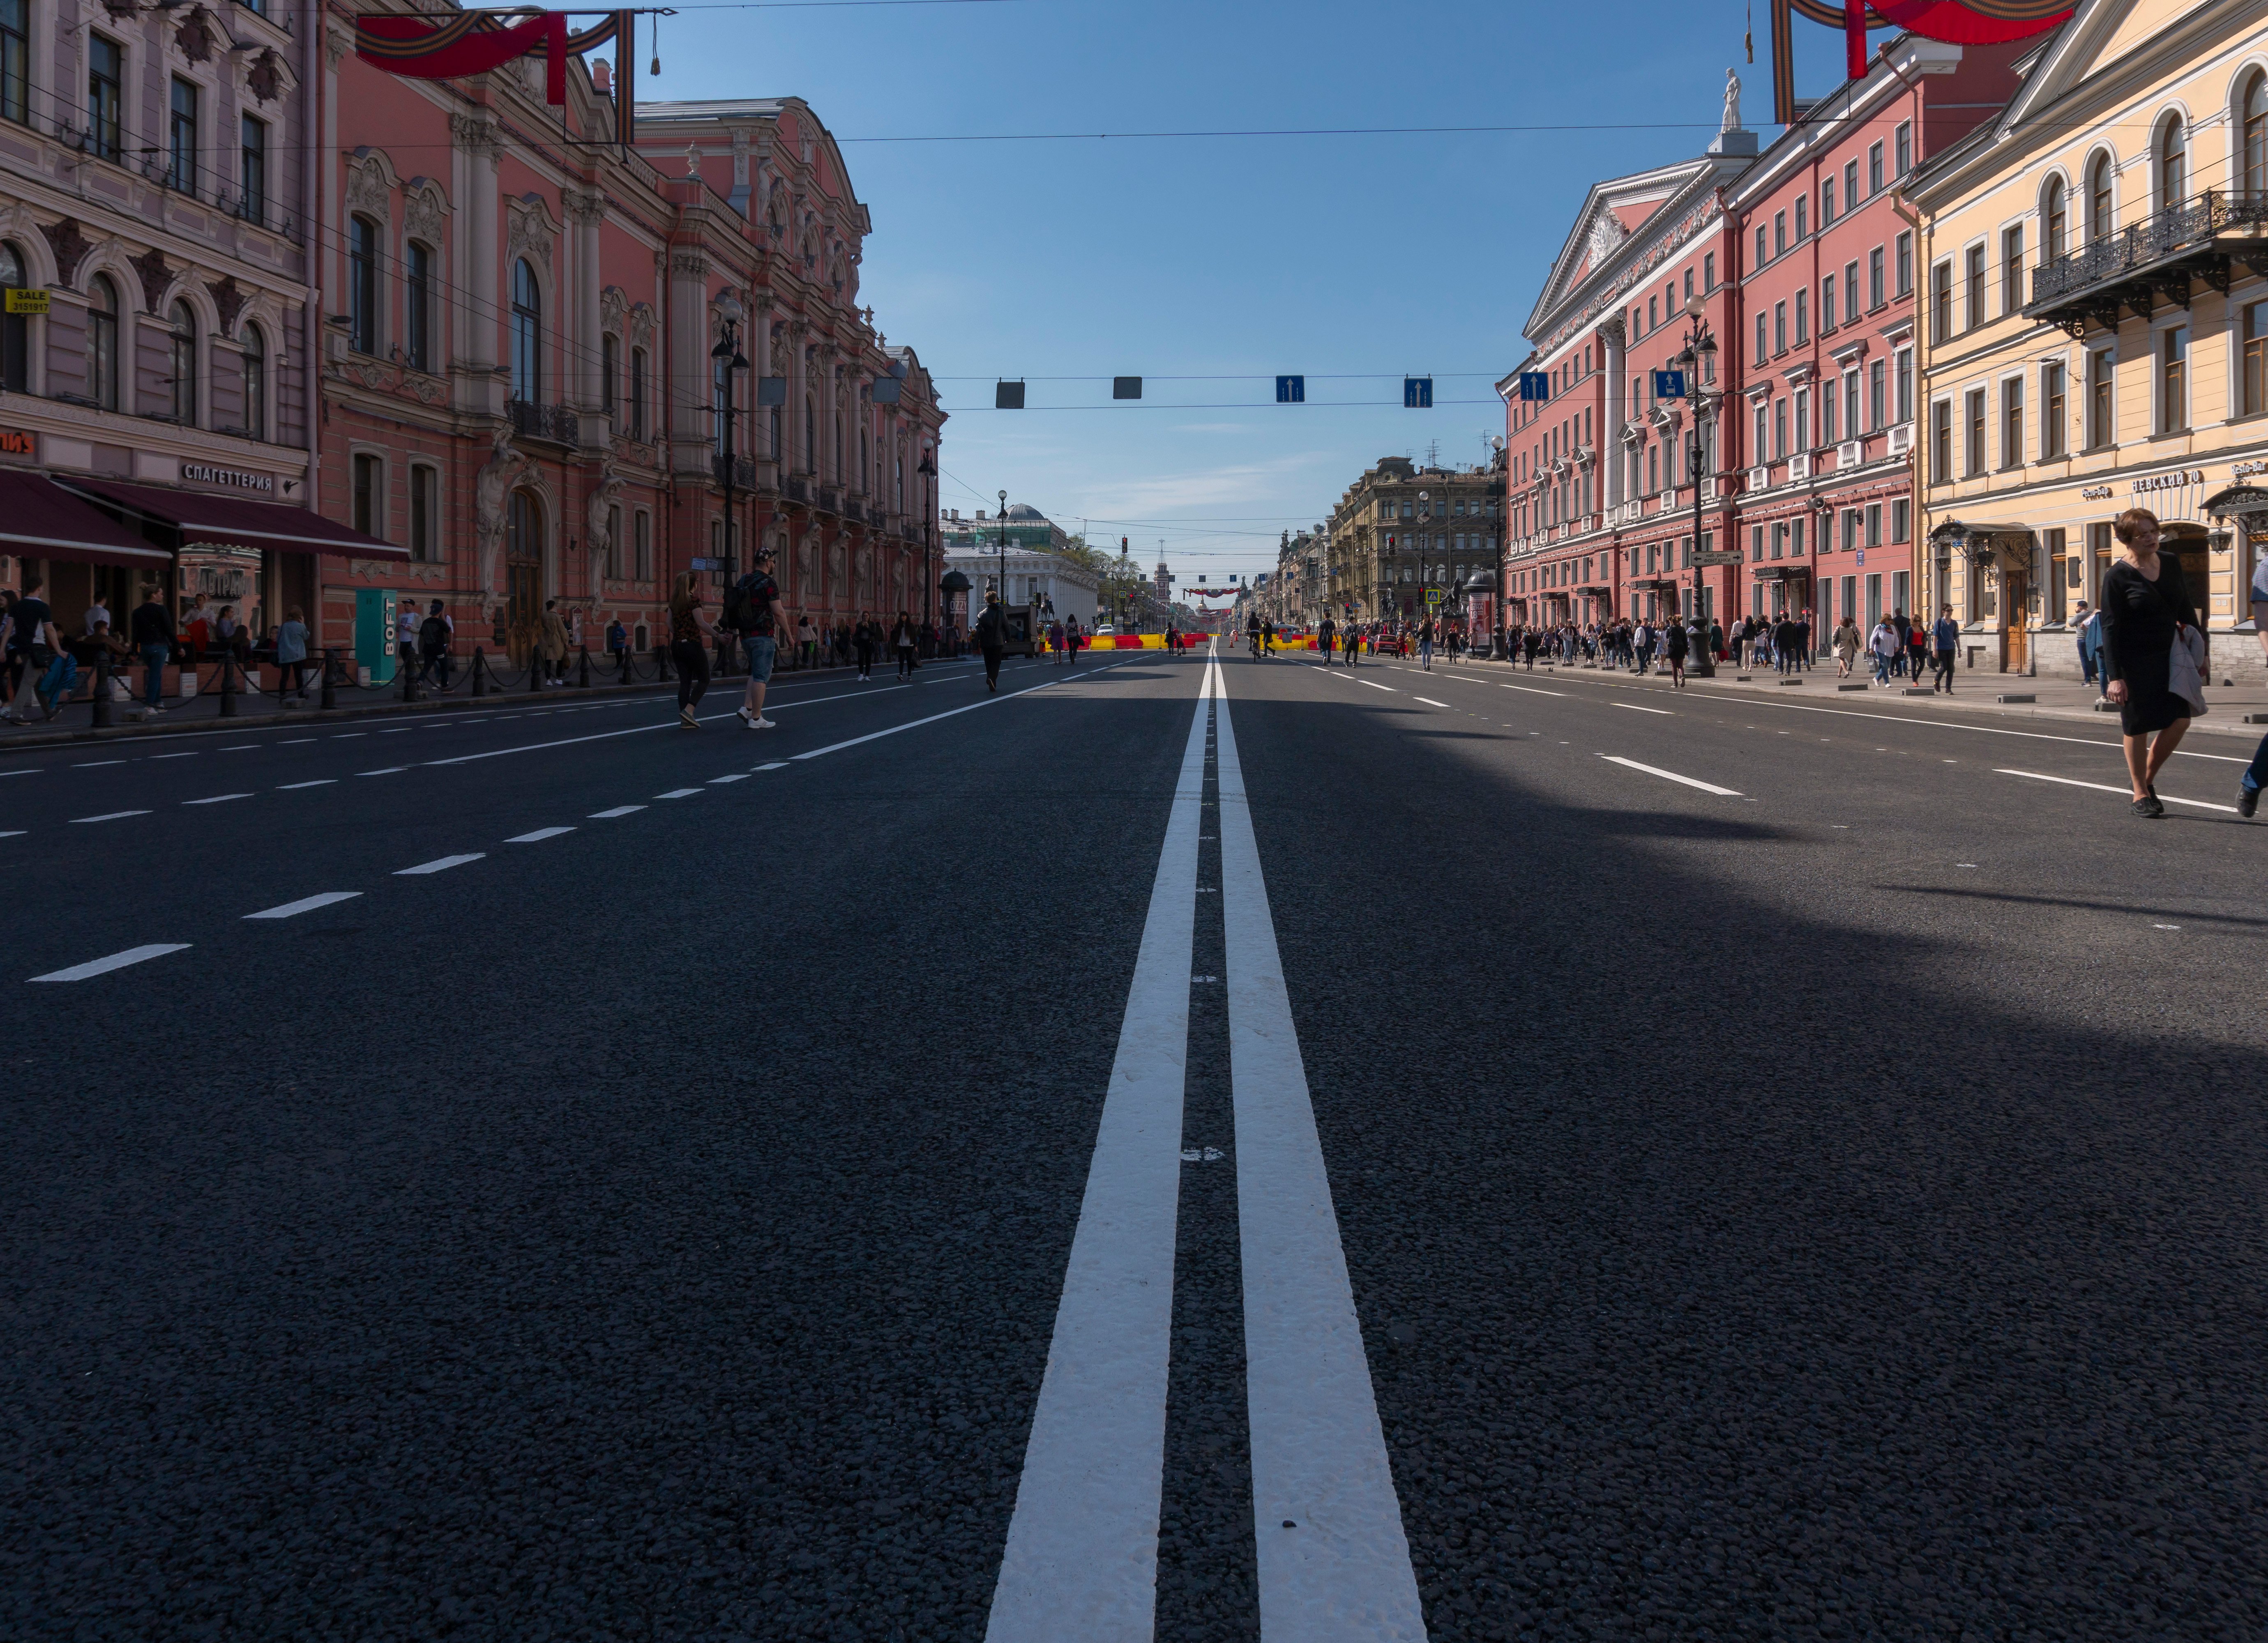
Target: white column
pixel 1611 455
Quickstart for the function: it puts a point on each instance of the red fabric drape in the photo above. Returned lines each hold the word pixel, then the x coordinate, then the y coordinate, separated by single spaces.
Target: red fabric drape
pixel 412 46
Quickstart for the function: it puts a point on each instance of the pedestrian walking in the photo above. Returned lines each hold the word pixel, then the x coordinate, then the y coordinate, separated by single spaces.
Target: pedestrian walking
pixel 1883 645
pixel 866 639
pixel 753 612
pixel 1674 643
pixel 2147 617
pixel 435 634
pixel 153 637
pixel 618 646
pixel 807 642
pixel 905 639
pixel 291 657
pixel 2089 624
pixel 32 645
pixel 405 623
pixel 2255 775
pixel 1351 642
pixel 551 649
pixel 1945 640
pixel 992 638
pixel 1325 635
pixel 689 627
pixel 1425 644
pixel 1072 640
pixel 1845 643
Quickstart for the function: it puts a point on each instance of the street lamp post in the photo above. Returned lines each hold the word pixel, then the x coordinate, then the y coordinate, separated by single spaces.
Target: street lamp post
pixel 1003 581
pixel 727 353
pixel 1701 661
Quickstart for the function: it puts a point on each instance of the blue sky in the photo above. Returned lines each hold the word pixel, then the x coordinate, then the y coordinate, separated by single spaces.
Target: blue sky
pixel 1222 260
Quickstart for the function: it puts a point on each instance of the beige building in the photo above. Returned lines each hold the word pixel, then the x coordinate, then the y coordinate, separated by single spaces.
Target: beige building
pixel 2095 322
pixel 1401 529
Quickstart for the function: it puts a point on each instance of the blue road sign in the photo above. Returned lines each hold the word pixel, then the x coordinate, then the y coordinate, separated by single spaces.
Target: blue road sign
pixel 1535 384
pixel 1668 384
pixel 1290 390
pixel 1416 393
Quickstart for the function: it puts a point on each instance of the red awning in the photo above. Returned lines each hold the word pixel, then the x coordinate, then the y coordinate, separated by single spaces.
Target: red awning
pixel 38 519
pixel 233 520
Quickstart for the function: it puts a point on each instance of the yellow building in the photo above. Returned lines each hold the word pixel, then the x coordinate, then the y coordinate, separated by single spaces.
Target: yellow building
pixel 2095 317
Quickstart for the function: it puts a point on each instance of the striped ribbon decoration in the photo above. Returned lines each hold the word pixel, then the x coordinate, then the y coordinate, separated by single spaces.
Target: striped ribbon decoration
pixel 1958 22
pixel 476 42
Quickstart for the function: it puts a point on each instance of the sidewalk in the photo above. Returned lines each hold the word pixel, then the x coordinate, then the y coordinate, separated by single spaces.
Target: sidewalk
pixel 1974 692
pixel 202 713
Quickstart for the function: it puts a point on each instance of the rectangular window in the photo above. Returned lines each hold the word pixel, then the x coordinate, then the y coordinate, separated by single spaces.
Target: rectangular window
pixel 1901 519
pixel 1972 426
pixel 1850 403
pixel 1851 598
pixel 1849 529
pixel 1709 271
pixel 2252 393
pixel 252 170
pixel 615 544
pixel 1973 286
pixel 1802 315
pixel 2012 422
pixel 642 546
pixel 1850 290
pixel 1779 232
pixel 1941 442
pixel 1802 419
pixel 2173 380
pixel 637 406
pixel 1826 305
pixel 182 139
pixel 1802 216
pixel 1827 202
pixel 106 72
pixel 1779 327
pixel 1779 430
pixel 1940 303
pixel 1763 335
pixel 2057 553
pixel 1875 298
pixel 1903 369
pixel 1764 426
pixel 1873 525
pixel 2098 554
pixel 1756 545
pixel 1898 591
pixel 1689 284
pixel 2012 269
pixel 418 308
pixel 1905 263
pixel 1873 579
pixel 1851 185
pixel 610 366
pixel 423 493
pixel 1779 541
pixel 362 285
pixel 1877 407
pixel 1873 170
pixel 367 497
pixel 15 60
pixel 2053 409
pixel 1830 422
pixel 1763 250
pixel 1905 147
pixel 2100 426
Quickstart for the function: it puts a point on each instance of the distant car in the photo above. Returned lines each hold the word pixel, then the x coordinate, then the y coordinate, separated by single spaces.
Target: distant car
pixel 1390 645
pixel 1104 630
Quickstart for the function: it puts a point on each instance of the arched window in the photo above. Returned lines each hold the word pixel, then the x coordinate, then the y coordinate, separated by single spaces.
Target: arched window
pixel 102 342
pixel 2102 220
pixel 2252 135
pixel 637 394
pixel 2055 211
pixel 417 307
pixel 610 368
pixel 526 334
pixel 362 285
pixel 2172 164
pixel 182 346
pixel 810 434
pixel 255 383
pixel 15 329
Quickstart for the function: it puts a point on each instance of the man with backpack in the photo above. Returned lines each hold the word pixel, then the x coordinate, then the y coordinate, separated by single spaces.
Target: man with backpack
pixel 992 638
pixel 434 636
pixel 752 610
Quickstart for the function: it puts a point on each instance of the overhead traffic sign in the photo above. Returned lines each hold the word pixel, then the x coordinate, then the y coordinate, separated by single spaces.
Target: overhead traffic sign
pixel 1718 556
pixel 1535 384
pixel 1416 393
pixel 1290 390
pixel 1668 384
pixel 1008 396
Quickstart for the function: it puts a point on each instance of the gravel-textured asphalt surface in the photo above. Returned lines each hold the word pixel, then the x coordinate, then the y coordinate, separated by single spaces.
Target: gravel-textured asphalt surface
pixel 1828 1209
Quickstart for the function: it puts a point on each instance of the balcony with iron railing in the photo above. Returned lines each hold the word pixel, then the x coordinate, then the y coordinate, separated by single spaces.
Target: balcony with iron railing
pixel 557 423
pixel 738 471
pixel 2154 259
pixel 796 487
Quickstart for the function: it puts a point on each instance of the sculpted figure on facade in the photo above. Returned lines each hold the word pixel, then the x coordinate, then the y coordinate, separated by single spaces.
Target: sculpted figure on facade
pixel 598 527
pixel 1732 101
pixel 807 567
pixel 491 489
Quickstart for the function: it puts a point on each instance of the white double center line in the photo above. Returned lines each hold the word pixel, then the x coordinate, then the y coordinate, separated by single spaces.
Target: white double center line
pixel 1319 1463
pixel 1082 1553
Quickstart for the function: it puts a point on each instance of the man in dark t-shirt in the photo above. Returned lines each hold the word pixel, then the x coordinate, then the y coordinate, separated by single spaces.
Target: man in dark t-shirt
pixel 761 624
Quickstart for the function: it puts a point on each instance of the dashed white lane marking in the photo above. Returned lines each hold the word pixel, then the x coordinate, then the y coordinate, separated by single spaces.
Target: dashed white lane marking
pixel 1319 1461
pixel 440 864
pixel 320 781
pixel 1632 707
pixel 679 793
pixel 737 775
pixel 1374 685
pixel 619 809
pixel 297 740
pixel 217 798
pixel 20 772
pixel 781 764
pixel 915 724
pixel 1533 690
pixel 98 764
pixel 1430 702
pixel 155 757
pixel 390 770
pixel 348 736
pixel 1081 1560
pixel 241 747
pixel 539 835
pixel 2123 793
pixel 397 729
pixel 116 961
pixel 106 816
pixel 306 904
pixel 1671 776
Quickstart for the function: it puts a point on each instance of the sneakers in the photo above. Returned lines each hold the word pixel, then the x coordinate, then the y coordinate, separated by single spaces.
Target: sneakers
pixel 2149 807
pixel 741 714
pixel 762 723
pixel 686 720
pixel 2248 800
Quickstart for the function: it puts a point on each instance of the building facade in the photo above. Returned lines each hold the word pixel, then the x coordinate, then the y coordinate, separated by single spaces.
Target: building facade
pixel 1060 587
pixel 2095 328
pixel 1402 531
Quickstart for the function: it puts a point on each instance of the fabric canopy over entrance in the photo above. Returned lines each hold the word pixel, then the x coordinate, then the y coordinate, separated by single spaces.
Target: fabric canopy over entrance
pixel 39 520
pixel 234 521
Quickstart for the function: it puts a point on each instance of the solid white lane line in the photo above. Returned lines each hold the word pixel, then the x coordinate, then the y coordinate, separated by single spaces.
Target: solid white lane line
pixel 619 809
pixel 538 836
pixel 397 729
pixel 390 770
pixel 679 793
pixel 98 764
pixel 1430 702
pixel 348 736
pixel 116 961
pixel 217 798
pixel 297 740
pixel 241 747
pixel 737 775
pixel 20 772
pixel 1081 1560
pixel 1319 1458
pixel 915 724
pixel 2124 793
pixel 320 781
pixel 441 864
pixel 1374 685
pixel 13 832
pixel 155 757
pixel 1671 776
pixel 306 904
pixel 1633 708
pixel 107 816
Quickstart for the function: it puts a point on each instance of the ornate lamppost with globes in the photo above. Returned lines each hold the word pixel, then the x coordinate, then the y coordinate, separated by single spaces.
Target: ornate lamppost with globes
pixel 1700 346
pixel 729 361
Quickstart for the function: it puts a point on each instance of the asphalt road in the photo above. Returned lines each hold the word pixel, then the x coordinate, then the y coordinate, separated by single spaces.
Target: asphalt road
pixel 776 1184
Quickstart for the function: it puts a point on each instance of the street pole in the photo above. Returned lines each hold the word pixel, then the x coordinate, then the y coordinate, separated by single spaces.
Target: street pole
pixel 728 351
pixel 1701 659
pixel 1003 522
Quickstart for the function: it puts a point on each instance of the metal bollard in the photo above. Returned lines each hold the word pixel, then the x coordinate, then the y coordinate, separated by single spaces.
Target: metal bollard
pixel 660 664
pixel 102 688
pixel 409 678
pixel 227 685
pixel 585 680
pixel 330 679
pixel 536 667
pixel 480 669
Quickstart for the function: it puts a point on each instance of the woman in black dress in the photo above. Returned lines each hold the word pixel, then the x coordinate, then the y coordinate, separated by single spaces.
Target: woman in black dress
pixel 2144 605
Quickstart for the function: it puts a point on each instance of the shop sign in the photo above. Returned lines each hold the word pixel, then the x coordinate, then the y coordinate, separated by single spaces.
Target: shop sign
pixel 2245 470
pixel 19 441
pixel 2095 493
pixel 2175 481
pixel 234 478
pixel 26 300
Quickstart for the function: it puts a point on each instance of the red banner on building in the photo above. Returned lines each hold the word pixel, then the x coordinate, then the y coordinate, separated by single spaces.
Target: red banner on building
pixel 476 42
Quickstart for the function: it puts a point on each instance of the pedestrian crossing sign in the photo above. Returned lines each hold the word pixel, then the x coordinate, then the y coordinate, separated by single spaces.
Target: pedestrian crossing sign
pixel 1433 596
